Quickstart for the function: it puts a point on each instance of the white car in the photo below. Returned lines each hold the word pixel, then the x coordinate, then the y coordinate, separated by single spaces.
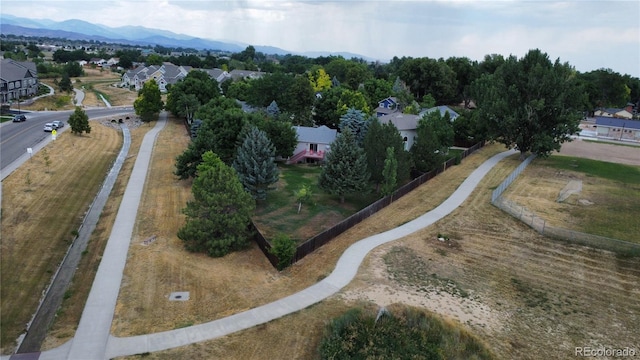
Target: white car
pixel 49 127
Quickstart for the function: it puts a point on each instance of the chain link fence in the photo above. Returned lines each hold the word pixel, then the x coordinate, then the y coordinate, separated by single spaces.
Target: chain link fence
pixel 623 248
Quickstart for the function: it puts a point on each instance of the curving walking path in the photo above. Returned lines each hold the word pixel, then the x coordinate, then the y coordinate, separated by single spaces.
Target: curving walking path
pixel 93 340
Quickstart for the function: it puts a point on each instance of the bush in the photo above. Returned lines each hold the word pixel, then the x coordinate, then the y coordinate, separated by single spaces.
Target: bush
pixel 284 248
pixel 401 332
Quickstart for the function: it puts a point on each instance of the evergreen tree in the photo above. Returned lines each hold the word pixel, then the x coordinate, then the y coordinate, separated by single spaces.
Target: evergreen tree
pixel 65 83
pixel 219 214
pixel 345 171
pixel 254 164
pixel 273 110
pixel 355 121
pixel 79 121
pixel 389 173
pixel 149 102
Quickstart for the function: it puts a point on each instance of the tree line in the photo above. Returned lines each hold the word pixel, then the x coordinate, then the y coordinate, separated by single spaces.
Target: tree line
pixel 531 103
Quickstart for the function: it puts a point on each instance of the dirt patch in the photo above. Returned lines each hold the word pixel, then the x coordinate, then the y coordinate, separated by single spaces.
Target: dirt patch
pixel 603 151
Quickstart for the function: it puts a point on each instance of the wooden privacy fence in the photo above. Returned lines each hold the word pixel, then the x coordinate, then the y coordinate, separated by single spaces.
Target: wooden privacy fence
pixel 324 237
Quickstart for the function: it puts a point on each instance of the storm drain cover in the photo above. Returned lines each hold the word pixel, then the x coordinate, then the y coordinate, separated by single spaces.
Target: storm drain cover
pixel 179 296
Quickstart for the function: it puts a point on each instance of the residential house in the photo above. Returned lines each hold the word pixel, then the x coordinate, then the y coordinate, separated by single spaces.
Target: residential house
pixel 98 61
pixel 218 75
pixel 164 75
pixel 18 79
pixel 112 62
pixel 443 110
pixel 407 125
pixel 387 106
pixel 245 74
pixel 613 113
pixel 313 143
pixel 617 129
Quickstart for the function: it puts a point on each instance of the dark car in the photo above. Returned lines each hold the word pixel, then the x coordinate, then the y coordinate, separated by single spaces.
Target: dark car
pixel 58 124
pixel 19 118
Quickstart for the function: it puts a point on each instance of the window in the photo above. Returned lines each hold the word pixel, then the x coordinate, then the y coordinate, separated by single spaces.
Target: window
pixel 313 147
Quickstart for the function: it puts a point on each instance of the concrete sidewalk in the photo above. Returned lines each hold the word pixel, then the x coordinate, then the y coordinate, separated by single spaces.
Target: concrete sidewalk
pixel 344 272
pixel 93 341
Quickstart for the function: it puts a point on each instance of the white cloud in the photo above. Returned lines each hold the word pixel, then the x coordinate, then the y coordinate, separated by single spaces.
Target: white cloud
pixel 571 30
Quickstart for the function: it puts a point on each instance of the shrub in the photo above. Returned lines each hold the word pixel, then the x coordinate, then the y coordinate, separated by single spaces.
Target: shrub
pixel 284 248
pixel 400 332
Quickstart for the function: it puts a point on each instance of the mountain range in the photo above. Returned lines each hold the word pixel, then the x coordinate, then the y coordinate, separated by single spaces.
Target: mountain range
pixel 134 35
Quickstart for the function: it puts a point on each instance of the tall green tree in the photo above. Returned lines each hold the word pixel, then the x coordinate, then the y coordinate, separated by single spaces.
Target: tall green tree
pixel 65 83
pixel 188 94
pixel 434 136
pixel 255 164
pixel 281 132
pixel 531 103
pixel 376 90
pixel 79 121
pixel 149 102
pixel 326 108
pixel 220 212
pixel 379 137
pixel 345 171
pixel 352 99
pixel 390 172
pixel 222 123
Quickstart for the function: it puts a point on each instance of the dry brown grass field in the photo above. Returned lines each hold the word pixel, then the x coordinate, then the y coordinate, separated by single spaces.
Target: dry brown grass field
pixel 527 297
pixel 94 81
pixel 43 202
pixel 68 316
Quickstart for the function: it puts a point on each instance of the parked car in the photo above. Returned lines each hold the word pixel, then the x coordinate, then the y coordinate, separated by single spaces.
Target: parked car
pixel 48 127
pixel 19 118
pixel 58 124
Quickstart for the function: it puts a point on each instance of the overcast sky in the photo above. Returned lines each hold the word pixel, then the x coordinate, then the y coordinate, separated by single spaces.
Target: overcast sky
pixel 588 34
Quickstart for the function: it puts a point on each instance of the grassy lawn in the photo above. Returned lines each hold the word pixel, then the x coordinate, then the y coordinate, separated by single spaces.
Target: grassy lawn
pixel 279 213
pixel 625 174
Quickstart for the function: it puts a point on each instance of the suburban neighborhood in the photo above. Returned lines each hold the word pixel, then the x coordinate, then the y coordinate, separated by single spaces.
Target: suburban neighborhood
pixel 202 203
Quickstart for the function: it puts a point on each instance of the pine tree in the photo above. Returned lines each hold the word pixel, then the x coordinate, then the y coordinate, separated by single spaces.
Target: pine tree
pixel 355 120
pixel 345 171
pixel 273 110
pixel 79 121
pixel 255 163
pixel 65 83
pixel 219 215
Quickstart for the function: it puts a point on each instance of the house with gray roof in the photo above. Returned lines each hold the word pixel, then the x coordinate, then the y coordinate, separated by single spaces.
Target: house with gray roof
pixel 313 143
pixel 18 79
pixel 164 75
pixel 407 125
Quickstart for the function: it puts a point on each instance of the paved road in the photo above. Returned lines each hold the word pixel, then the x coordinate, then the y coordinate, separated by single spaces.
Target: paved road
pixel 93 340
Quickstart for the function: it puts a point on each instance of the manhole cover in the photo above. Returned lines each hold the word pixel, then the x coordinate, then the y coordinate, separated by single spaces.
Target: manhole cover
pixel 179 296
